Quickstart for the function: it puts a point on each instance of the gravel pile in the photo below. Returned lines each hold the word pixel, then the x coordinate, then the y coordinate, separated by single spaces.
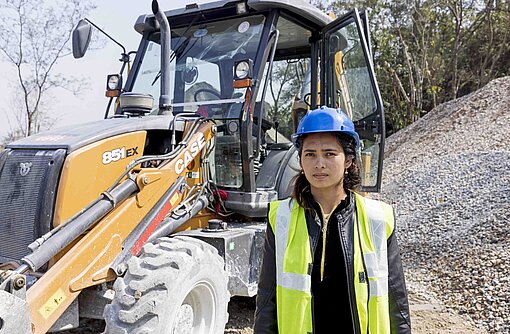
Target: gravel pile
pixel 448 177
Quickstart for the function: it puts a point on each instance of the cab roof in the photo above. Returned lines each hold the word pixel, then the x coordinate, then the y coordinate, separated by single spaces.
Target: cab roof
pixel 300 9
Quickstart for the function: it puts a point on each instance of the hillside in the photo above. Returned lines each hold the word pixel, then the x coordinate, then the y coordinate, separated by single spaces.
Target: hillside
pixel 448 177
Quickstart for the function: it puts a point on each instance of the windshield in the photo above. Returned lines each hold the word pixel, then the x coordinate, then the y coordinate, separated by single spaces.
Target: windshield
pixel 202 59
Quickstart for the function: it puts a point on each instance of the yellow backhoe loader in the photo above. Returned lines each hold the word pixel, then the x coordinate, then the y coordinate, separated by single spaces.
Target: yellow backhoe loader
pixel 154 216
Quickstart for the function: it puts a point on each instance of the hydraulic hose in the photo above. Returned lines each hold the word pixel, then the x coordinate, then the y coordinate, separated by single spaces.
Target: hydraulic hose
pixel 164 157
pixel 169 225
pixel 80 224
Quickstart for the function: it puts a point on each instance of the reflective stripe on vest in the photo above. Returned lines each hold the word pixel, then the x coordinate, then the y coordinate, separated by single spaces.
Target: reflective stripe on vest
pixel 375 223
pixel 288 280
pixel 377 262
pixel 293 256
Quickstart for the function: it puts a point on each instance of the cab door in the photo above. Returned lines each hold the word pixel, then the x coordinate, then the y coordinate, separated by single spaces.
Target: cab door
pixel 348 82
pixel 363 15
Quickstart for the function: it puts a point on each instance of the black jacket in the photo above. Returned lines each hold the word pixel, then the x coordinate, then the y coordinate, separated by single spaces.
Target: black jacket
pixel 265 314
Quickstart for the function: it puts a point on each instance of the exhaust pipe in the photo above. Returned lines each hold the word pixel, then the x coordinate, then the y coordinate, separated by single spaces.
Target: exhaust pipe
pixel 164 97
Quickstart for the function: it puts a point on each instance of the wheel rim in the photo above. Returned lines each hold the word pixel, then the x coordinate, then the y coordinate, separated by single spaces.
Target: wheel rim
pixel 197 313
pixel 184 320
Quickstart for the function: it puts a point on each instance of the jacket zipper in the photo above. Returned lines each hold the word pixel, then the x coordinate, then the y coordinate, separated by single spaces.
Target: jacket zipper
pixel 350 279
pixel 324 230
pixel 314 247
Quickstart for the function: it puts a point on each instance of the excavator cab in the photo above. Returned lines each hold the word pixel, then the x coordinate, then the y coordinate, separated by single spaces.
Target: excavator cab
pixel 233 62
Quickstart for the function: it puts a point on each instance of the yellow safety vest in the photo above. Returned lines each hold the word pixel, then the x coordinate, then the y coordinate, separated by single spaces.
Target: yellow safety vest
pixel 374 225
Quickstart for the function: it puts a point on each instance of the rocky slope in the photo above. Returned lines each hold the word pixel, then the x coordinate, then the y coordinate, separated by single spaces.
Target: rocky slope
pixel 448 177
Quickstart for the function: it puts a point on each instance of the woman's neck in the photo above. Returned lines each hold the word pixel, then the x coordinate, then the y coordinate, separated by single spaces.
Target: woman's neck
pixel 329 198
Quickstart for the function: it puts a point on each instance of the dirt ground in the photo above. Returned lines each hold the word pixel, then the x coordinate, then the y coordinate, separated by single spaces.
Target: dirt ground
pixel 427 316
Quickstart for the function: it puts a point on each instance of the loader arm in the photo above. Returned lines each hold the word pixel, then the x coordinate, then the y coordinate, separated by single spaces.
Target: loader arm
pixel 88 262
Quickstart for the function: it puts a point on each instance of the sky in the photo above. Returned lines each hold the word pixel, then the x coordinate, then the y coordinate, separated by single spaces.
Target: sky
pixel 117 18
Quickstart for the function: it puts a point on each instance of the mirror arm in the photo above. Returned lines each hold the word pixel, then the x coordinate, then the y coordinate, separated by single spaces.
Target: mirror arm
pixel 104 33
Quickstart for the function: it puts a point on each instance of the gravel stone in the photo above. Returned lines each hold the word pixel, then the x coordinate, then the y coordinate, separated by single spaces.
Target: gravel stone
pixel 447 176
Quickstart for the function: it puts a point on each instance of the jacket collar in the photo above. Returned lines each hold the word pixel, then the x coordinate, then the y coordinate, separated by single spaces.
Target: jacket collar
pixel 342 212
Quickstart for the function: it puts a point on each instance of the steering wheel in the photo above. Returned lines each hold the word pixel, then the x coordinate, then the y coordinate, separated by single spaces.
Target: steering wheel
pixel 208 110
pixel 307 98
pixel 206 90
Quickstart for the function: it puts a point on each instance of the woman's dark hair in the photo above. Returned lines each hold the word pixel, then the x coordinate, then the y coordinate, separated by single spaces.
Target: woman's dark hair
pixel 352 181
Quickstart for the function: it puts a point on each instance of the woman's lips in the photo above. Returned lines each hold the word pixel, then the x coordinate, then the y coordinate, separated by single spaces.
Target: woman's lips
pixel 320 176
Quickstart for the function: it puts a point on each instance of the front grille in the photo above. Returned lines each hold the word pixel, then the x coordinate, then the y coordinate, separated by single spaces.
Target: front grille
pixel 28 183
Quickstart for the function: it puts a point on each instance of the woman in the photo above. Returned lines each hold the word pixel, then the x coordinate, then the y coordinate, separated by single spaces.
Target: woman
pixel 331 261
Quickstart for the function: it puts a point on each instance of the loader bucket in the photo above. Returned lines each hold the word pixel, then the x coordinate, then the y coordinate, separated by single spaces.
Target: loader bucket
pixel 14 315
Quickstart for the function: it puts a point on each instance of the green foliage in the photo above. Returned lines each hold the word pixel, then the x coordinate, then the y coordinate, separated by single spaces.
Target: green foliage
pixel 427 52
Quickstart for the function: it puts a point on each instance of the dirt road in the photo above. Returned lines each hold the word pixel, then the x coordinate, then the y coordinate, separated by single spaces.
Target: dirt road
pixel 427 315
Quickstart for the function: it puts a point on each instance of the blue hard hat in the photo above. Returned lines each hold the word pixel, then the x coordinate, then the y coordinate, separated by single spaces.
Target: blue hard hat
pixel 325 119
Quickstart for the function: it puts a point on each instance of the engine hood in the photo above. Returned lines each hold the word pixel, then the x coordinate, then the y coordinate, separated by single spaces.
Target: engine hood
pixel 74 137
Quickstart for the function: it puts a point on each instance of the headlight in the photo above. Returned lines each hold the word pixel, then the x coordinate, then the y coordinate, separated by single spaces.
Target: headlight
pixel 243 69
pixel 241 8
pixel 232 126
pixel 113 82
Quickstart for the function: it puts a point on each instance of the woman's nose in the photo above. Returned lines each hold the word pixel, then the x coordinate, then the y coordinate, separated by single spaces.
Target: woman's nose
pixel 319 163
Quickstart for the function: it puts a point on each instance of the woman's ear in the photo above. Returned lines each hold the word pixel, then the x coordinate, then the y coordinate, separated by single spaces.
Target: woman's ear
pixel 348 163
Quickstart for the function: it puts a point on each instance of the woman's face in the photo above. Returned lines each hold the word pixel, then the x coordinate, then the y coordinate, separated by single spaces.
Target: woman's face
pixel 323 161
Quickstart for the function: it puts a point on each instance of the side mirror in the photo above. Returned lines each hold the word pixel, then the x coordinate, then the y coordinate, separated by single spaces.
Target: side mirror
pixel 81 38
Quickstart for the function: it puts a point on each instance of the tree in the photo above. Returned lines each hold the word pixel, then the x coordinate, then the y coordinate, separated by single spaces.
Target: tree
pixel 427 52
pixel 34 35
pixel 285 83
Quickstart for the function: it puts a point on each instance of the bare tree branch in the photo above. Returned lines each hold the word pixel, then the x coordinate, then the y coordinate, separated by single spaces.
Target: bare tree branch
pixel 34 35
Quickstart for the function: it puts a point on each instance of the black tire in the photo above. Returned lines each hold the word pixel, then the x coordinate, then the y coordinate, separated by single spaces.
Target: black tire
pixel 177 285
